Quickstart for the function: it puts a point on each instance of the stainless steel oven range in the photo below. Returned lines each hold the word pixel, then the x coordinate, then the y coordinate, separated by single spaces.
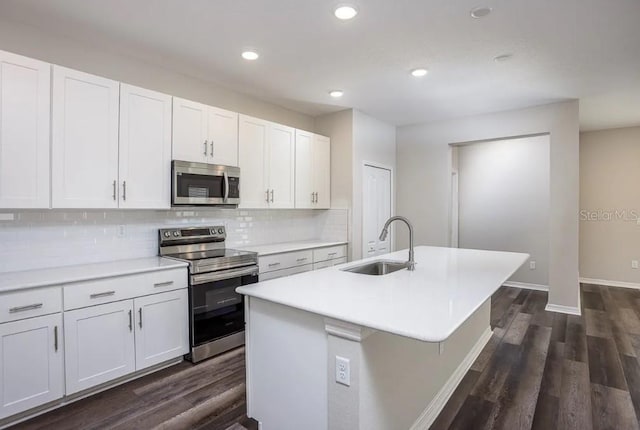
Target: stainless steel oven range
pixel 216 311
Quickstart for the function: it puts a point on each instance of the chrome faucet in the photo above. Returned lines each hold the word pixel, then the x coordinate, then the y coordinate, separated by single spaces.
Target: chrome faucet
pixel 411 264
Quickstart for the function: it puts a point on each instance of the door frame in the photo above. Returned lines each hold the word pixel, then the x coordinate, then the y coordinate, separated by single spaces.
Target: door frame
pixel 392 195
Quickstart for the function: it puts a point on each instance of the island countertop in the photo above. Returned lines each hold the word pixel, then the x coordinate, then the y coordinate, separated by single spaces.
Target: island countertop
pixel 428 304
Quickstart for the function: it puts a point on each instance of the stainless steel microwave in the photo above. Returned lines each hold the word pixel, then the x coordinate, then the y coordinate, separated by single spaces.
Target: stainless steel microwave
pixel 201 184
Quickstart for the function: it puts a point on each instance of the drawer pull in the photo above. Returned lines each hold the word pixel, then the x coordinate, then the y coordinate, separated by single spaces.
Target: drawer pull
pixel 105 294
pixel 274 264
pixel 25 308
pixel 163 284
pixel 331 254
pixel 301 259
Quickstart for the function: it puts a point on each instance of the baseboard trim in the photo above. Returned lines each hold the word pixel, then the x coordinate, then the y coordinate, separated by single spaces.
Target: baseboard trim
pixel 571 310
pixel 606 282
pixel 429 415
pixel 526 286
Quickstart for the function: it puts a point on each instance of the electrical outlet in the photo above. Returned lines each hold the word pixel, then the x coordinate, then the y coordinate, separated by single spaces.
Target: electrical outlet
pixel 122 231
pixel 532 265
pixel 343 371
pixel 634 264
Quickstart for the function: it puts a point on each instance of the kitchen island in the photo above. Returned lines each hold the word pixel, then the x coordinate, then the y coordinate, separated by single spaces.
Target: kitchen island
pixel 332 349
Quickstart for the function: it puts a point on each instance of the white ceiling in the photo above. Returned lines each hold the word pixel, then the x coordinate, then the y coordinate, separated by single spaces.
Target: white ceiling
pixel 563 49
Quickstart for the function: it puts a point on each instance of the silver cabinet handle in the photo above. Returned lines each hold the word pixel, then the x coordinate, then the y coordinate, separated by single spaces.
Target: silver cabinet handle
pixel 205 148
pixel 274 264
pixel 212 148
pixel 317 196
pixel 267 196
pixel 124 190
pixel 313 197
pixel 301 259
pixel 105 294
pixel 163 284
pixel 114 190
pixel 55 338
pixel 140 313
pixel 331 254
pixel 130 320
pixel 25 308
pixel 272 196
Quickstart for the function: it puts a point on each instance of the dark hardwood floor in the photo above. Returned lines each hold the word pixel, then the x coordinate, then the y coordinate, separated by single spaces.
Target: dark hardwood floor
pixel 545 370
pixel 209 396
pixel 540 370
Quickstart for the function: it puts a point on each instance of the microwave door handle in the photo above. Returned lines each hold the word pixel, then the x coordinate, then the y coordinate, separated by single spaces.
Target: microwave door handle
pixel 226 186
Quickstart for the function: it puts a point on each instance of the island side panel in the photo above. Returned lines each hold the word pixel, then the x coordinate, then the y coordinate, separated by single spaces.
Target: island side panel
pixel 286 367
pixel 404 383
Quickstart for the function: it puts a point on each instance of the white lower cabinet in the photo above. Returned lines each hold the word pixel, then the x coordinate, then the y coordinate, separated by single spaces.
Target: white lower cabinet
pixel 99 344
pixel 161 329
pixel 31 363
pixel 294 262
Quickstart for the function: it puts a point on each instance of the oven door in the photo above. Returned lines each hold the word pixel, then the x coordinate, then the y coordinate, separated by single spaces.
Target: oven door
pixel 216 309
pixel 204 184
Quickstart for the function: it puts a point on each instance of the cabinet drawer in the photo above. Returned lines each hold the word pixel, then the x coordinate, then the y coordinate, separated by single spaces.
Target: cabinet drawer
pixel 108 290
pixel 270 263
pixel 30 303
pixel 329 263
pixel 285 272
pixel 329 253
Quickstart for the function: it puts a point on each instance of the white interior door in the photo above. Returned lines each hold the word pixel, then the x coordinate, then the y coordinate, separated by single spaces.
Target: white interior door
pixel 376 209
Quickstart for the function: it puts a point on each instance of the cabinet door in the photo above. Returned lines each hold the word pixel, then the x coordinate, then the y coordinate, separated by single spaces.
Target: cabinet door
pixel 162 327
pixel 190 140
pixel 223 137
pixel 281 158
pixel 85 140
pixel 322 171
pixel 252 152
pixel 145 148
pixel 99 344
pixel 31 363
pixel 304 177
pixel 24 132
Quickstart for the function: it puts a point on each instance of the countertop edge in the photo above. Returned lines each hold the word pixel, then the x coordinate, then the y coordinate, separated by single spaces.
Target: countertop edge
pixel 89 277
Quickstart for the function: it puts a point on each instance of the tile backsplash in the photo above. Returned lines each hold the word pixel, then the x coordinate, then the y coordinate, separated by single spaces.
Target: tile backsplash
pixel 48 238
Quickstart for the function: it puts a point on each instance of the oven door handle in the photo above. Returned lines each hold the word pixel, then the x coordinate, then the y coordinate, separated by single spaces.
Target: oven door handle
pixel 223 274
pixel 226 186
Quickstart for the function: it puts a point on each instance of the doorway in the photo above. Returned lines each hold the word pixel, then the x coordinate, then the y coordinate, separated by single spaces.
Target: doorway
pixel 376 210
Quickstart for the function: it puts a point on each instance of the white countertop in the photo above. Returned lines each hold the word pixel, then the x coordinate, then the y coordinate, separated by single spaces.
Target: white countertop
pixel 278 248
pixel 10 281
pixel 428 304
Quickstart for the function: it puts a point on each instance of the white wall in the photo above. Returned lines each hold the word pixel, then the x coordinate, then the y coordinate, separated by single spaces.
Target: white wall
pixel 35 43
pixel 374 141
pixel 504 200
pixel 424 189
pixel 610 204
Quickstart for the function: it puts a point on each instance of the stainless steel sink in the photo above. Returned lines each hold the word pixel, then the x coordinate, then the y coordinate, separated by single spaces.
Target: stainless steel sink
pixel 377 268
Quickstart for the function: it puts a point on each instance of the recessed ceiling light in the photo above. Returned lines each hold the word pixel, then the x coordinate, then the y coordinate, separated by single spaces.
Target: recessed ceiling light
pixel 419 72
pixel 336 93
pixel 480 12
pixel 502 58
pixel 250 55
pixel 345 12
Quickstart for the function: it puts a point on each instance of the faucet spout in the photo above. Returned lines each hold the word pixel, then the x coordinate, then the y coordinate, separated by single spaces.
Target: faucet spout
pixel 411 264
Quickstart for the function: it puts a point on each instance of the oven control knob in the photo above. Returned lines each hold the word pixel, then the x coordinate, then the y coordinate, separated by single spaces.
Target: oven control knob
pixel 176 233
pixel 220 231
pixel 167 234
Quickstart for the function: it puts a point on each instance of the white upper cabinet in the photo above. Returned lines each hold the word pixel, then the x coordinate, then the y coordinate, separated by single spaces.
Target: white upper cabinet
pixel 313 171
pixel 252 149
pixel 267 164
pixel 281 168
pixel 145 149
pixel 84 141
pixel 25 97
pixel 204 134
